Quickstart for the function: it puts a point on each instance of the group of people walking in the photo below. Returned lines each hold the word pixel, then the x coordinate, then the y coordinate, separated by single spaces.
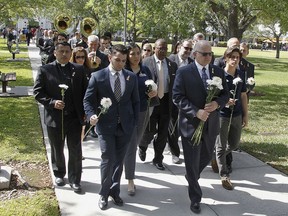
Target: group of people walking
pixel 107 88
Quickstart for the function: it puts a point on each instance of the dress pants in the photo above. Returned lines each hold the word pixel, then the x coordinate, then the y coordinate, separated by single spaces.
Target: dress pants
pixel 158 124
pixel 196 158
pixel 173 137
pixel 130 157
pixel 227 141
pixel 113 149
pixel 72 132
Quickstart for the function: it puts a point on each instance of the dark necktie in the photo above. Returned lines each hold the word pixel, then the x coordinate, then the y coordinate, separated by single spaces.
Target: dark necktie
pixel 204 77
pixel 117 87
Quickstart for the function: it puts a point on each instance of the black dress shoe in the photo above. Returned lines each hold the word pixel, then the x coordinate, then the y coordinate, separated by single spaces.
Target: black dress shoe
pixel 159 166
pixel 59 181
pixel 142 154
pixel 103 203
pixel 195 207
pixel 76 187
pixel 117 200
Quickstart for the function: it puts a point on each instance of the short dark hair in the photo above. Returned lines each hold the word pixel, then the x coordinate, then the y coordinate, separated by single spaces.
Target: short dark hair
pixel 108 34
pixel 118 48
pixel 63 35
pixel 230 50
pixel 63 44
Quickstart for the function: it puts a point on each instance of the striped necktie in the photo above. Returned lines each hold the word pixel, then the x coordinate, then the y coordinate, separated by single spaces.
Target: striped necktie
pixel 117 87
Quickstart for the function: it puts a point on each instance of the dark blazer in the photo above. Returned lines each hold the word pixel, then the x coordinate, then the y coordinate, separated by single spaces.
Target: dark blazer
pixel 248 68
pixel 128 107
pixel 172 68
pixel 175 58
pixel 189 95
pixel 47 91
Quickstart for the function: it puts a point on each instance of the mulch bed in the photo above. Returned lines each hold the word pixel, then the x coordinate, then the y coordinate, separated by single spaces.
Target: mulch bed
pixel 35 176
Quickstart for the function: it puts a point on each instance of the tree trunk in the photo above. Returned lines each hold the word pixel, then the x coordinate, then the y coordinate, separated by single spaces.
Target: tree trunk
pixel 277 46
pixel 233 25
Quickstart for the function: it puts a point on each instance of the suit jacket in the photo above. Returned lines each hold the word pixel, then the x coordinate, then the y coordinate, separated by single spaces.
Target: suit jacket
pixel 172 68
pixel 127 108
pixel 47 91
pixel 248 68
pixel 175 58
pixel 189 95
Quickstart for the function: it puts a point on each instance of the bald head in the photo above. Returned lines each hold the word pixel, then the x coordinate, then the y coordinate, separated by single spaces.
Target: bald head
pixel 200 45
pixel 233 42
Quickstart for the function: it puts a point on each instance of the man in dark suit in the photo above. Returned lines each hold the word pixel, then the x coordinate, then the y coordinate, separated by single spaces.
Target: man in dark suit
pixel 114 128
pixel 247 66
pixel 182 58
pixel 189 95
pixel 98 61
pixel 63 118
pixel 163 73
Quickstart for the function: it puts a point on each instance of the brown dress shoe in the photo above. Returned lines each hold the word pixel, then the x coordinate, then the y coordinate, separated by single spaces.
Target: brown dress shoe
pixel 226 183
pixel 214 166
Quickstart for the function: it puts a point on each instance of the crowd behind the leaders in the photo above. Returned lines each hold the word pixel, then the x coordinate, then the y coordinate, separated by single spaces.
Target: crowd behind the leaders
pixel 150 98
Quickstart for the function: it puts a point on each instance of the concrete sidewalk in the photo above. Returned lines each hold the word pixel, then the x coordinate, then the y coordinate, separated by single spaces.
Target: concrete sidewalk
pixel 259 189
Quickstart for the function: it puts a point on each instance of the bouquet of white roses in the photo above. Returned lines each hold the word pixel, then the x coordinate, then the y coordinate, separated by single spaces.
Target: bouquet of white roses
pixel 151 86
pixel 105 104
pixel 63 88
pixel 213 88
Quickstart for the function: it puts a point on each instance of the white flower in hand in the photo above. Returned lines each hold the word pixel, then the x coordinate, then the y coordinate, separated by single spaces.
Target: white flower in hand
pixel 63 86
pixel 250 81
pixel 152 86
pixel 106 102
pixel 237 80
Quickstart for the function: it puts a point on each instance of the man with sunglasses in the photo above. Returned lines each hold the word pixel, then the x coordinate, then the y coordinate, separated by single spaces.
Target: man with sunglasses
pixel 182 58
pixel 189 95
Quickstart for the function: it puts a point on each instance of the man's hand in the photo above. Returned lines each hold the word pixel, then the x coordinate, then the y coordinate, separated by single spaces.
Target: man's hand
pixel 202 115
pixel 93 120
pixel 152 94
pixel 210 107
pixel 59 104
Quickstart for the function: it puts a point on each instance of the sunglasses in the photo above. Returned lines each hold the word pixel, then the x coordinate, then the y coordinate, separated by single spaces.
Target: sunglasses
pixel 148 50
pixel 205 53
pixel 79 57
pixel 187 48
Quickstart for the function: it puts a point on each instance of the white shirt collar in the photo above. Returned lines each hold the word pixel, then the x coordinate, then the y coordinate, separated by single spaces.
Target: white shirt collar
pixel 113 71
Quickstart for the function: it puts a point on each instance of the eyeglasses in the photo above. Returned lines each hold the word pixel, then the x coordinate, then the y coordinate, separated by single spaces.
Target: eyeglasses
pixel 206 53
pixel 148 50
pixel 187 48
pixel 162 48
pixel 79 57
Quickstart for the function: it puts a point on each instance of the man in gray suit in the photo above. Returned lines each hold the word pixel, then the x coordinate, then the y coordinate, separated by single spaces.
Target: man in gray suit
pixel 189 95
pixel 182 58
pixel 114 127
pixel 163 73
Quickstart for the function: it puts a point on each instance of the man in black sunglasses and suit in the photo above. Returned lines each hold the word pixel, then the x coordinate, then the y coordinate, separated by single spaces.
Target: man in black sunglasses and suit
pixel 182 58
pixel 189 95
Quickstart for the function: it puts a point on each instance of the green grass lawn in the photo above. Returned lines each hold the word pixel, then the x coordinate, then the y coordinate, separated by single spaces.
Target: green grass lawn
pixel 21 139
